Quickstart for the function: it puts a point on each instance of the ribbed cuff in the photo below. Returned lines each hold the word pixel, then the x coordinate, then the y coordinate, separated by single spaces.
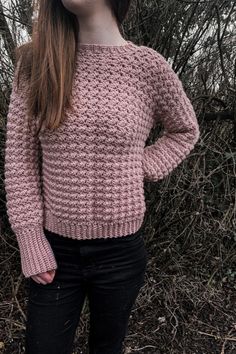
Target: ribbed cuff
pixel 36 253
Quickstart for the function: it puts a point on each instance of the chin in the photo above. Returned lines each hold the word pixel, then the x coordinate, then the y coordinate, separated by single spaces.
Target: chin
pixel 76 6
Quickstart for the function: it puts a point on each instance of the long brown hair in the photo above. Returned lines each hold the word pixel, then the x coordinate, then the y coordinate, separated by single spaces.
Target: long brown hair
pixel 47 62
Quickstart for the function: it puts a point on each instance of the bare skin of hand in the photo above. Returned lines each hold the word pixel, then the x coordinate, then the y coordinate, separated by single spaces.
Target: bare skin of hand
pixel 44 278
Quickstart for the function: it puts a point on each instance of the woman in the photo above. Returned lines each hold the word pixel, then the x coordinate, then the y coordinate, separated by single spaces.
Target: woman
pixel 94 97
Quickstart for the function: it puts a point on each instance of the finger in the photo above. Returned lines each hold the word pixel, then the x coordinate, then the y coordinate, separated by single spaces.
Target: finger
pixel 40 280
pixel 46 277
pixel 35 279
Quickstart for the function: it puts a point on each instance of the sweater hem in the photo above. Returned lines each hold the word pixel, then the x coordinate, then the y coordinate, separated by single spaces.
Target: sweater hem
pixel 94 230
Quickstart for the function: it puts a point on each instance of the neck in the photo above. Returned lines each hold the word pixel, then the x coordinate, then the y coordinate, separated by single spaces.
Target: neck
pixel 99 27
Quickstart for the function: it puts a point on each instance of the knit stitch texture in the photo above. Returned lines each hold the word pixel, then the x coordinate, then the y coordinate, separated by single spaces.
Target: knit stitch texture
pixel 95 164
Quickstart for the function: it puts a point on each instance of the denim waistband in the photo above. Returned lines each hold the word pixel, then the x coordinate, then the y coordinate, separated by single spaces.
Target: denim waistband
pixel 65 239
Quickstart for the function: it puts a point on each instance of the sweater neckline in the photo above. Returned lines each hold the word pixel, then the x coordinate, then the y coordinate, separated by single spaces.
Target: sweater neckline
pixel 103 48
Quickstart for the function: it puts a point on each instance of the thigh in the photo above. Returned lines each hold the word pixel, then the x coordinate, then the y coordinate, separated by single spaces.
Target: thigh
pixel 117 281
pixel 53 309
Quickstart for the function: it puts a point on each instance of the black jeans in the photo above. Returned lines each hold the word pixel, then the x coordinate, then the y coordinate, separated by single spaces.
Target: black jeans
pixel 110 272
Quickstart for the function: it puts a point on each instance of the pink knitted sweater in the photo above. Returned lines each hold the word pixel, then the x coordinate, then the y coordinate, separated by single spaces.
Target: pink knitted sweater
pixel 95 164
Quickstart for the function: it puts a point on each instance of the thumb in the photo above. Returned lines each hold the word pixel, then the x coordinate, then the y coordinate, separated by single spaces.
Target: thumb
pixel 52 273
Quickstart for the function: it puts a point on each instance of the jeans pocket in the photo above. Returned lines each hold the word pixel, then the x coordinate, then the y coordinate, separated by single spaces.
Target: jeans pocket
pixel 59 241
pixel 66 250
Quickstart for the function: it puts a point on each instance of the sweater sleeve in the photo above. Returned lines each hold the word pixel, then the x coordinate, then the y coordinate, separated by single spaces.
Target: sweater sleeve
pixel 22 185
pixel 181 130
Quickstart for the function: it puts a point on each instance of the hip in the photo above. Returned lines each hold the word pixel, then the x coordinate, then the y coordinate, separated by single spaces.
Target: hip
pixel 126 249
